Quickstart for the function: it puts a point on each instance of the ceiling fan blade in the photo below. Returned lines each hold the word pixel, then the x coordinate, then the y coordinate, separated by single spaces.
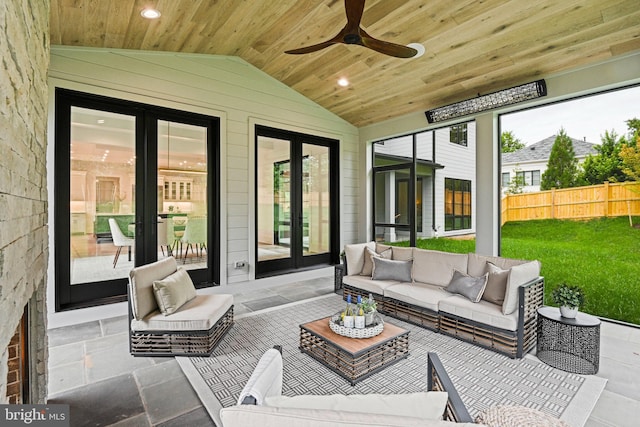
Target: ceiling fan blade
pixel 388 48
pixel 354 9
pixel 312 48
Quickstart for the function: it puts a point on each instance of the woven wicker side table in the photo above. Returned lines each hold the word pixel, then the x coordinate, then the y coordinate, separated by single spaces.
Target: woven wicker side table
pixel 572 345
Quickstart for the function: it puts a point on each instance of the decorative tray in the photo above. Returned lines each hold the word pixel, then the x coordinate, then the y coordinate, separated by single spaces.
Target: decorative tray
pixel 367 332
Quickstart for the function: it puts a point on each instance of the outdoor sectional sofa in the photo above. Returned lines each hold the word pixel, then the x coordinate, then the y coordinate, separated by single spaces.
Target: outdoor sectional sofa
pixel 409 284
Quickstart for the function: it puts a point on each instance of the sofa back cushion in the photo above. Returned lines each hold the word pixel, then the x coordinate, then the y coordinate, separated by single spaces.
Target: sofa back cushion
pixel 477 265
pixel 436 267
pixel 518 276
pixel 355 256
pixel 143 300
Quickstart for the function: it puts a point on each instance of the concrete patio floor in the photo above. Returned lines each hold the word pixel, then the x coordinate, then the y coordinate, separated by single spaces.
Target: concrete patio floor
pixel 91 369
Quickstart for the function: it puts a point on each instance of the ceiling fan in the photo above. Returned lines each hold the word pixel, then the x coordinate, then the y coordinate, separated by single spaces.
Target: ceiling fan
pixel 352 33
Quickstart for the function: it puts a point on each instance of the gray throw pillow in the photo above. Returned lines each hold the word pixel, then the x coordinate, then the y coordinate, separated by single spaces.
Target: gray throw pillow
pixel 496 284
pixel 467 286
pixel 386 269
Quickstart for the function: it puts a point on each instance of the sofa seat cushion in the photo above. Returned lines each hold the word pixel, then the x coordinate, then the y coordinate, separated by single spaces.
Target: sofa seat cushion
pixel 481 312
pixel 368 284
pixel 199 314
pixel 420 294
pixel 269 416
pixel 426 405
pixel 436 267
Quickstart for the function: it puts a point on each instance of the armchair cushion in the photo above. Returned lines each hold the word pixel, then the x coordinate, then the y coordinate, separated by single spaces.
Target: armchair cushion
pixel 426 405
pixel 266 379
pixel 199 314
pixel 141 279
pixel 174 291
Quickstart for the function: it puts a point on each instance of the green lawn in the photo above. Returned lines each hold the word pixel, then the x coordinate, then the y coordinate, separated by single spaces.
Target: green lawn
pixel 602 256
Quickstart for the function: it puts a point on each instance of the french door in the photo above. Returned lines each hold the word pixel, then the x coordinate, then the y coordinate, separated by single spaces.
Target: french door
pixel 134 183
pixel 296 201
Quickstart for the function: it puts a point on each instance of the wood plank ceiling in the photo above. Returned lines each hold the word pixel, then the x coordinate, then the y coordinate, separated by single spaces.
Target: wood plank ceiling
pixel 471 46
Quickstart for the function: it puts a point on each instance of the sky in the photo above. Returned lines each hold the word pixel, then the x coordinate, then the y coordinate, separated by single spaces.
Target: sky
pixel 587 117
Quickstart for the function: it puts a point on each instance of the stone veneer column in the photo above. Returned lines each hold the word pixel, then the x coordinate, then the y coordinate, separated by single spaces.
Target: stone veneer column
pixel 24 49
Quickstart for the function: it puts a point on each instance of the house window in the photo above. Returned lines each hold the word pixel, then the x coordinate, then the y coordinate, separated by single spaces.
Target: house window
pixel 506 178
pixel 457 204
pixel 458 134
pixel 530 177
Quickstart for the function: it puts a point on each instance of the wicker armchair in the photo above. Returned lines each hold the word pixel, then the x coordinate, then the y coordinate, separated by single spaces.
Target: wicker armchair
pixel 193 329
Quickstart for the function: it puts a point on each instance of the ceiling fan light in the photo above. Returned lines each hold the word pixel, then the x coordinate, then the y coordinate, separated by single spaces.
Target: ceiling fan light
pixel 417 46
pixel 150 13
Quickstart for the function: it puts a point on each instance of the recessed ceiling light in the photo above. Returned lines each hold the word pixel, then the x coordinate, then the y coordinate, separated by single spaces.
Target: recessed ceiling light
pixel 100 121
pixel 419 48
pixel 342 81
pixel 150 13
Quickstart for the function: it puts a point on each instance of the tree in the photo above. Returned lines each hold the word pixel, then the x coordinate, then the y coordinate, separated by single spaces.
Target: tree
pixel 562 167
pixel 509 142
pixel 630 159
pixel 516 184
pixel 634 128
pixel 607 164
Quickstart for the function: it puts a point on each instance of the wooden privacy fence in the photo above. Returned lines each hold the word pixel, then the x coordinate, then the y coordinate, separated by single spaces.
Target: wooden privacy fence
pixel 604 200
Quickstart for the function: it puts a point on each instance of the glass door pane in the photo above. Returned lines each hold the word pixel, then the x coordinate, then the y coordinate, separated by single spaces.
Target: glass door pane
pixel 182 217
pixel 102 191
pixel 316 212
pixel 392 205
pixel 274 198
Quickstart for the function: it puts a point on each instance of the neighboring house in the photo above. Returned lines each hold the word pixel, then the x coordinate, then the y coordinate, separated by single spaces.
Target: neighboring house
pixel 445 183
pixel 531 161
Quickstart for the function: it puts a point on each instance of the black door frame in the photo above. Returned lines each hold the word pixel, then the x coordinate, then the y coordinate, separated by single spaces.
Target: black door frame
pixel 69 296
pixel 297 261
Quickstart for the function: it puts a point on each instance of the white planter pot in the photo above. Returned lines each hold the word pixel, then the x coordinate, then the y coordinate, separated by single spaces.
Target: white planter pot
pixel 368 318
pixel 568 312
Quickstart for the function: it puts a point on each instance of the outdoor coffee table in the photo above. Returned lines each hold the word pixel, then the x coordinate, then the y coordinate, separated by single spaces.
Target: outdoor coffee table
pixel 353 358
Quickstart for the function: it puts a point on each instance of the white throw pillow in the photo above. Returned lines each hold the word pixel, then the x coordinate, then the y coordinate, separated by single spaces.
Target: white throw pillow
pixel 174 291
pixel 369 254
pixel 496 284
pixel 519 275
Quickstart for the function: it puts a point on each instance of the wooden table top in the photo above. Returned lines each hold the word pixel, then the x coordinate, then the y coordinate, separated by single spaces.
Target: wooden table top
pixel 321 328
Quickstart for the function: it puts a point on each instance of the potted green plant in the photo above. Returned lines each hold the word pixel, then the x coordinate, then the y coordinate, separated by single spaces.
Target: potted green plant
pixel 569 298
pixel 368 306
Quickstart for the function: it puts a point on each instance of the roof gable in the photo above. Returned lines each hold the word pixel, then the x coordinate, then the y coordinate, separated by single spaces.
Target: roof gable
pixel 541 150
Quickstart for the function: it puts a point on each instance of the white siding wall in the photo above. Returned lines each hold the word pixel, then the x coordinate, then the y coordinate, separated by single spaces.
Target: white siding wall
pixel 242 96
pixel 459 163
